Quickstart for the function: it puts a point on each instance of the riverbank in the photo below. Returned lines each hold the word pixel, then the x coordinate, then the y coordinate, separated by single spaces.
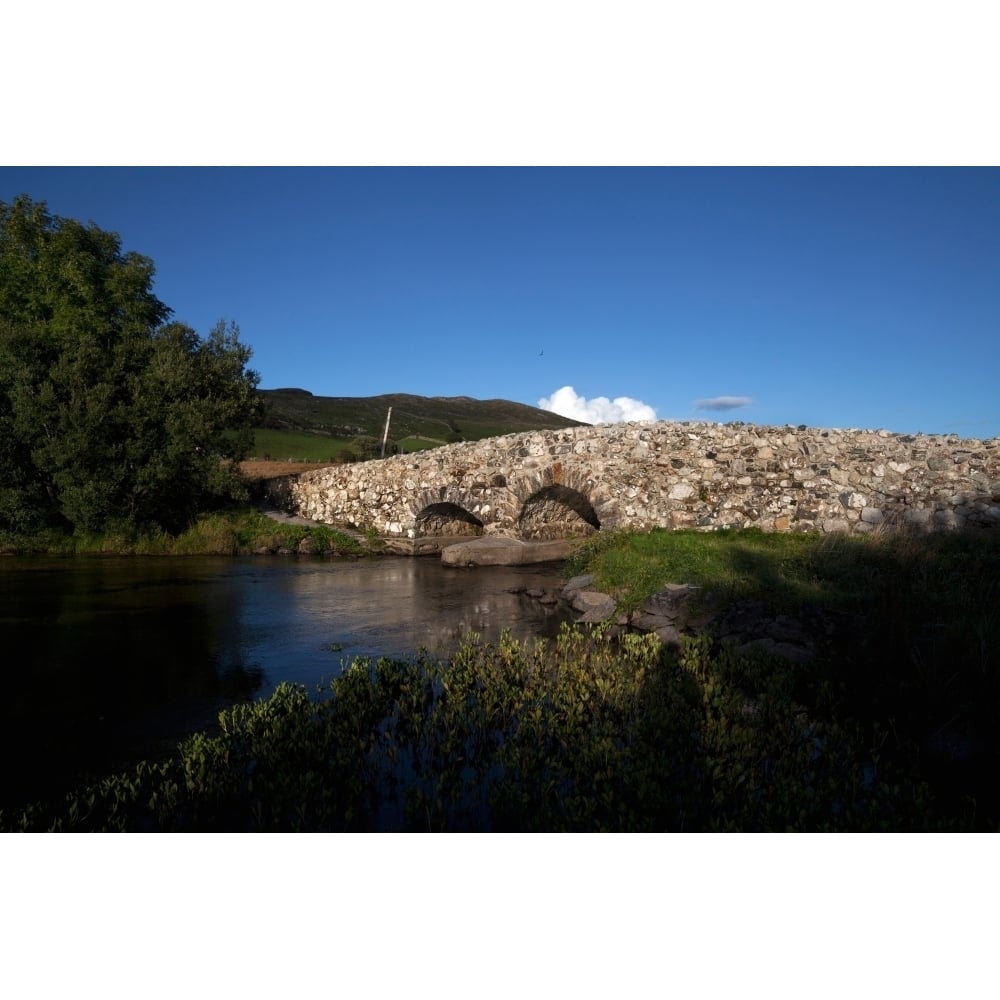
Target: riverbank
pixel 580 734
pixel 267 530
pixel 811 683
pixel 246 531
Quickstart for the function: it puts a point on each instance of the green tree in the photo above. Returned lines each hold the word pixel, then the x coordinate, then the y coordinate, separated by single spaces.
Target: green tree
pixel 108 413
pixel 365 447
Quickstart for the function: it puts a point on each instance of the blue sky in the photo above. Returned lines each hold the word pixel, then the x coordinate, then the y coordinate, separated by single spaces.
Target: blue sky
pixel 833 297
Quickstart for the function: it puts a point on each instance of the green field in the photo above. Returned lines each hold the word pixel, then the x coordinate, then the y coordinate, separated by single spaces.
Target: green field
pixel 296 446
pixel 306 446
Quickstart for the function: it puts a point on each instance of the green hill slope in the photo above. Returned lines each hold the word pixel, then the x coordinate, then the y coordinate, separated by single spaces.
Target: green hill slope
pixel 319 427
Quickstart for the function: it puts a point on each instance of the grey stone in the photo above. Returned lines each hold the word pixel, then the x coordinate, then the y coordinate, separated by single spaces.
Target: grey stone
pixel 593 605
pixel 581 582
pixel 556 484
pixel 495 551
pixel 669 636
pixel 671 600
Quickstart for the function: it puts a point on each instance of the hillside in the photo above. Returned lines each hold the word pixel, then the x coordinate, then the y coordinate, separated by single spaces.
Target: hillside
pixel 319 428
pixel 432 417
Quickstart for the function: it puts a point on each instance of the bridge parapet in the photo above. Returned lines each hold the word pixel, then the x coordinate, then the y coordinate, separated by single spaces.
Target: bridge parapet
pixel 667 474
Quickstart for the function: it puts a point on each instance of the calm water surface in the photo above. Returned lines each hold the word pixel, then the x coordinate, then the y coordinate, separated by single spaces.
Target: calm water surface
pixel 108 660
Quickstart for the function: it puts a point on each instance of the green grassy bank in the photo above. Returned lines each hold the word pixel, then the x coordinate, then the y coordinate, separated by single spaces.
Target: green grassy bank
pixel 230 533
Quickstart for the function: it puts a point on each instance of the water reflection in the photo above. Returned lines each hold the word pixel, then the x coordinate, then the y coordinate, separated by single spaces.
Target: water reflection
pixel 109 659
pixel 386 609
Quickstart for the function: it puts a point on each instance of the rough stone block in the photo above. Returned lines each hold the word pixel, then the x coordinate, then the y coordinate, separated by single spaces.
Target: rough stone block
pixel 957 475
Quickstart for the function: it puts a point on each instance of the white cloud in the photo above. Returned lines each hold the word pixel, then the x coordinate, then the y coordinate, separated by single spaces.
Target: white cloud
pixel 601 410
pixel 722 403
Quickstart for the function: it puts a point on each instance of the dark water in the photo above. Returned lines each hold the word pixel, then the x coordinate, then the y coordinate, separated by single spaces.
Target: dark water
pixel 108 660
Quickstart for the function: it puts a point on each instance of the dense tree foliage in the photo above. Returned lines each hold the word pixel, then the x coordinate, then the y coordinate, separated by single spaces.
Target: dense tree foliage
pixel 109 414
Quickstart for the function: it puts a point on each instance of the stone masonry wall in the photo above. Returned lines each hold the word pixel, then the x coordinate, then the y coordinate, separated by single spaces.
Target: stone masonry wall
pixel 665 474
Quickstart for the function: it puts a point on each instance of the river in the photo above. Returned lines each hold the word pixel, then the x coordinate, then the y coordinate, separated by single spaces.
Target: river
pixel 107 660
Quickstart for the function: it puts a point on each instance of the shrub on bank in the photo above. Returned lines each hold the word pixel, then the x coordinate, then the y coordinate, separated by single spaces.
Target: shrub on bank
pixel 577 734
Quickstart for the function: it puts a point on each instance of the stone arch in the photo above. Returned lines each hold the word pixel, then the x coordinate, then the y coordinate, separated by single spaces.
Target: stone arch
pixel 557 511
pixel 443 518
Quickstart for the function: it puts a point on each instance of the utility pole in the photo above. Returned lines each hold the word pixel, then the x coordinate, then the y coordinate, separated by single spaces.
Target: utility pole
pixel 385 435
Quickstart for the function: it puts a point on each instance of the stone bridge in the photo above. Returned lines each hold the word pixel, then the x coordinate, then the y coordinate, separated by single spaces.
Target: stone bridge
pixel 563 483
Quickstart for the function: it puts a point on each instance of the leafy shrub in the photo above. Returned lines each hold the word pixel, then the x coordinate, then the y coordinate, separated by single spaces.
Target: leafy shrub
pixel 580 733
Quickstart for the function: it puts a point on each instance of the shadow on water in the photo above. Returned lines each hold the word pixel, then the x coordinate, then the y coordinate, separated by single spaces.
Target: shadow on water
pixel 101 673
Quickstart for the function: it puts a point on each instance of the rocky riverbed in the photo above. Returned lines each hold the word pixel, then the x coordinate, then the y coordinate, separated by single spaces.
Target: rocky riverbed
pixel 684 609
